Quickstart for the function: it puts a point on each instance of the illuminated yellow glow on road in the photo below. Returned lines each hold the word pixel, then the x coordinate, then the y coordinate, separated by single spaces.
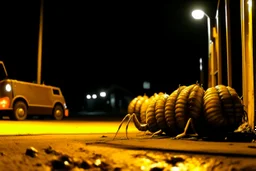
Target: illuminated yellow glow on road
pixel 60 127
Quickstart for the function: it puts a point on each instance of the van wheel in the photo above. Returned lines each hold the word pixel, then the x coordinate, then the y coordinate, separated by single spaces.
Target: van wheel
pixel 20 111
pixel 58 112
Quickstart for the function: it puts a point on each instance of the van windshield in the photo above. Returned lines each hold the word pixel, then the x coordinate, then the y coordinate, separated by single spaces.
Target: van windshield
pixel 2 72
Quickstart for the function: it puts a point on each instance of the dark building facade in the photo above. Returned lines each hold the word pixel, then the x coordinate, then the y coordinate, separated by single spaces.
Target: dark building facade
pixel 114 100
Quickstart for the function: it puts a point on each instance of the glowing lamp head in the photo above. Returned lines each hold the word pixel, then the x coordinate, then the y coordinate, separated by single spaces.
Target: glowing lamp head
pixel 197 14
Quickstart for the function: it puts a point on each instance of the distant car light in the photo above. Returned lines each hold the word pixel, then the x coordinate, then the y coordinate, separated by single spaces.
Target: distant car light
pixel 94 96
pixel 103 94
pixel 8 87
pixel 88 96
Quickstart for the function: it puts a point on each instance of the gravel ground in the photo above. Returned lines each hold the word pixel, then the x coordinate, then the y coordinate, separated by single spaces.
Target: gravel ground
pixel 80 152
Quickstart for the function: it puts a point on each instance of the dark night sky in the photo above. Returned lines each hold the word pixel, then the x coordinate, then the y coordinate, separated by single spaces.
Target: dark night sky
pixel 95 43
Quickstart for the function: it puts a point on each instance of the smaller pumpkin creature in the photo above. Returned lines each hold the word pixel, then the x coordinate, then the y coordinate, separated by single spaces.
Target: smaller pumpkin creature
pixel 169 114
pixel 144 120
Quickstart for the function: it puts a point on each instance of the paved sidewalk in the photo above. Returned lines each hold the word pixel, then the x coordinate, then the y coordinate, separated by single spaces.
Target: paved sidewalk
pixel 189 146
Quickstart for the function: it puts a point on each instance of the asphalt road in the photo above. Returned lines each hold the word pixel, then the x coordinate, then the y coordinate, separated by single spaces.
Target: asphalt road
pixel 93 136
pixel 73 125
pixel 95 127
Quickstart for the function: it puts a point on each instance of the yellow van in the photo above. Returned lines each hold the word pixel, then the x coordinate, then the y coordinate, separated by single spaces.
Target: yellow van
pixel 19 99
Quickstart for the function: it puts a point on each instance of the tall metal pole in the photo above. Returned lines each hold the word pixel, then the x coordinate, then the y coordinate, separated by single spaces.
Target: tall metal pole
pixel 209 47
pixel 209 35
pixel 199 14
pixel 250 62
pixel 253 18
pixel 228 42
pixel 40 45
pixel 247 60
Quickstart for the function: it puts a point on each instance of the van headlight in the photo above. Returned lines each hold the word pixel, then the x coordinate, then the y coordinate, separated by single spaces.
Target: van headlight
pixel 65 106
pixel 8 87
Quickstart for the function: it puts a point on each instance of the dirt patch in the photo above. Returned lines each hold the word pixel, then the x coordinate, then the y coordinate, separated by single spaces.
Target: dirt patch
pixel 23 153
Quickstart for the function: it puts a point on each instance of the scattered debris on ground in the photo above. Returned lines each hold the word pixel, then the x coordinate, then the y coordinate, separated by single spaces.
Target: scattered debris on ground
pixel 75 154
pixel 32 152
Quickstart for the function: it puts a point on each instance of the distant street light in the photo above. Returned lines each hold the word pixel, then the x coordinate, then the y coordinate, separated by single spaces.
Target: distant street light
pixel 201 70
pixel 103 94
pixel 198 15
pixel 88 96
pixel 94 96
pixel 201 64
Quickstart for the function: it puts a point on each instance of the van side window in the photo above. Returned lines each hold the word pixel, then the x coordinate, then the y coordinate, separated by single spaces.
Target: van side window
pixel 56 92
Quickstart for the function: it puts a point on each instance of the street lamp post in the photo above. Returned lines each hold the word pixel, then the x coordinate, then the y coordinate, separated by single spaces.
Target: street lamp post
pixel 198 15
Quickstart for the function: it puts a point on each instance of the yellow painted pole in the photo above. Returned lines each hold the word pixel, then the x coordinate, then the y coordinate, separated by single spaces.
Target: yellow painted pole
pixel 212 64
pixel 228 42
pixel 219 56
pixel 247 60
pixel 40 45
pixel 244 69
pixel 215 53
pixel 251 103
pixel 209 74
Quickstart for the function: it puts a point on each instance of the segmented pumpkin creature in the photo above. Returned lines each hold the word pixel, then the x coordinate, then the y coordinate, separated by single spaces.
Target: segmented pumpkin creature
pixel 223 112
pixel 135 105
pixel 141 117
pixel 213 112
pixel 169 113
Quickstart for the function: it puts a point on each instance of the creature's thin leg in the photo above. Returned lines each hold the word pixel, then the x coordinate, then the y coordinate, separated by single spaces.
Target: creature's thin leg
pixel 126 116
pixel 147 133
pixel 185 130
pixel 157 133
pixel 142 133
pixel 129 120
pixel 193 128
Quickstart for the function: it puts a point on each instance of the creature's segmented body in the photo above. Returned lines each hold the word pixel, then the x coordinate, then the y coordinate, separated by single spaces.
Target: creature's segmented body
pixel 154 113
pixel 170 115
pixel 189 108
pixel 223 111
pixel 135 105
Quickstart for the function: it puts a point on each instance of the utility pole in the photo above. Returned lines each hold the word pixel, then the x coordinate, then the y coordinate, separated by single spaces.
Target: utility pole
pixel 40 44
pixel 228 42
